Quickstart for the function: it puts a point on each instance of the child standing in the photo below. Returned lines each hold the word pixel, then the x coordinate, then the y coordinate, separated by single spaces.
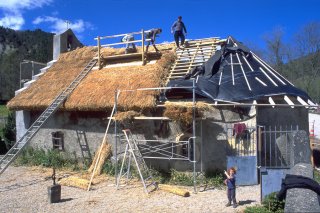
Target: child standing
pixel 231 186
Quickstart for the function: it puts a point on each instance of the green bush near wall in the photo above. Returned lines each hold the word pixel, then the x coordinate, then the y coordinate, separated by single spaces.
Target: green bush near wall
pixel 49 158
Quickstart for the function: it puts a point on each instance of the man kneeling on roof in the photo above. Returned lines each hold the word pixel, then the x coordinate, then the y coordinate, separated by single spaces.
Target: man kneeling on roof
pixel 128 38
pixel 151 34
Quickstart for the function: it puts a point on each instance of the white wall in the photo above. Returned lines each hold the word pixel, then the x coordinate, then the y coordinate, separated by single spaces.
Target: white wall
pixel 316 119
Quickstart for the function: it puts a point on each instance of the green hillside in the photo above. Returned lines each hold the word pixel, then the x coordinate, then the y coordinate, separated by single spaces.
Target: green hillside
pixel 16 46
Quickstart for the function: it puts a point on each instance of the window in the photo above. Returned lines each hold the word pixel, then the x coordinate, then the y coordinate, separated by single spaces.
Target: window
pixel 57 140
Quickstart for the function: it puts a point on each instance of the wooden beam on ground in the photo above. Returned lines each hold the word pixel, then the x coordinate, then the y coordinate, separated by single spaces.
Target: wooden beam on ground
pixel 174 190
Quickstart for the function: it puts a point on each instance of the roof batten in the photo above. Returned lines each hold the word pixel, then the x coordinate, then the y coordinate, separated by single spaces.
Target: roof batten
pixel 271 101
pixel 274 83
pixel 287 99
pixel 220 78
pixel 260 81
pixel 232 69
pixel 301 101
pixel 260 62
pixel 247 62
pixel 244 74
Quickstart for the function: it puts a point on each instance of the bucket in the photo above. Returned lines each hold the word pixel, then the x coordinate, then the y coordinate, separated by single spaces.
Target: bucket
pixel 54 193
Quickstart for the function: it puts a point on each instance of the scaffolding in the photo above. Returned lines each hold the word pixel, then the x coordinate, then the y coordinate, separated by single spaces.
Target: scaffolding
pixel 142 40
pixel 162 150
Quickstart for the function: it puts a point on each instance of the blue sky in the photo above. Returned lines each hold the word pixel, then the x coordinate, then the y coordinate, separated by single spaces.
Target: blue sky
pixel 246 20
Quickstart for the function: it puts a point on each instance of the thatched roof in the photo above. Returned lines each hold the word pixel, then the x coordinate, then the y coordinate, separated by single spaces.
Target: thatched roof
pixel 96 92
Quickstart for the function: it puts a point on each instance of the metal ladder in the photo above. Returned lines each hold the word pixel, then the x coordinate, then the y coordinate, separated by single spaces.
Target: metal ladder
pixel 132 151
pixel 35 127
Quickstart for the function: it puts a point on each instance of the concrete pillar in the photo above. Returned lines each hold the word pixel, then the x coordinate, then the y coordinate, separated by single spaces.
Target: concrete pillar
pixel 301 199
pixel 22 123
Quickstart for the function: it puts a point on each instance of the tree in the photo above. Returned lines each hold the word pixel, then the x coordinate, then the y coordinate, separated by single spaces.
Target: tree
pixel 308 46
pixel 9 131
pixel 276 48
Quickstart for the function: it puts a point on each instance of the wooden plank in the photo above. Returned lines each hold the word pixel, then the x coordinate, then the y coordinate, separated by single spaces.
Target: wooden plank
pixel 130 55
pixel 126 42
pixel 118 35
pixel 151 118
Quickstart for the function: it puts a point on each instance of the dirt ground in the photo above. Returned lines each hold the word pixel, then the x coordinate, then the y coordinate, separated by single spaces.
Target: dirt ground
pixel 25 189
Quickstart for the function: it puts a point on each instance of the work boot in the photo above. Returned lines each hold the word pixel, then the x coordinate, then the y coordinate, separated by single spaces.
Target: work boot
pixel 235 205
pixel 228 204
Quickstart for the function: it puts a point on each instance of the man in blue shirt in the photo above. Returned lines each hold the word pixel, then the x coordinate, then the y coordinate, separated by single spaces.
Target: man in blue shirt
pixel 151 34
pixel 178 27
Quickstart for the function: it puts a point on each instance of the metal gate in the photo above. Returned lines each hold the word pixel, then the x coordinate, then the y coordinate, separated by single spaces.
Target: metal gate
pixel 242 154
pixel 274 145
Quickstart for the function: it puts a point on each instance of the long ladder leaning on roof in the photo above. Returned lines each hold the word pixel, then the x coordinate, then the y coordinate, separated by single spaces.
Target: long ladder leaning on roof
pixel 132 150
pixel 35 127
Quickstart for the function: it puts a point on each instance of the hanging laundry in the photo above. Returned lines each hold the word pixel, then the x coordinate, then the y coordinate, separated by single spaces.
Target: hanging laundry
pixel 238 128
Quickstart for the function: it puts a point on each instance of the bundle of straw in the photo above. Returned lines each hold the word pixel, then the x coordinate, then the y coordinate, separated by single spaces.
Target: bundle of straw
pixel 74 182
pixel 105 153
pixel 174 190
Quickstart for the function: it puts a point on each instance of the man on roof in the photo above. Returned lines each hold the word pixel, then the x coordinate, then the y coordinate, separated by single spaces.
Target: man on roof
pixel 178 27
pixel 128 38
pixel 152 34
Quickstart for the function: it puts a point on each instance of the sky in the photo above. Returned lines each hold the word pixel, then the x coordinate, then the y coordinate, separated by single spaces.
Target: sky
pixel 246 20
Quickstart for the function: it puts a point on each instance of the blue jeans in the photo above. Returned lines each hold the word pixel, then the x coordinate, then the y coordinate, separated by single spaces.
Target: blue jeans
pixel 177 35
pixel 232 195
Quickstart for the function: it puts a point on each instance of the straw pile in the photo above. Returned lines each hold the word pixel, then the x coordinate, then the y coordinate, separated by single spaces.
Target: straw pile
pixel 74 182
pixel 95 92
pixel 174 190
pixel 183 111
pixel 105 153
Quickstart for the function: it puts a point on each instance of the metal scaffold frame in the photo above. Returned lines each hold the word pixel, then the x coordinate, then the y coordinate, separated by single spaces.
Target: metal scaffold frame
pixel 160 149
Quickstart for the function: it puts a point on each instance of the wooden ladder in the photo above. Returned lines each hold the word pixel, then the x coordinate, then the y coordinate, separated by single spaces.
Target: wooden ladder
pixel 195 54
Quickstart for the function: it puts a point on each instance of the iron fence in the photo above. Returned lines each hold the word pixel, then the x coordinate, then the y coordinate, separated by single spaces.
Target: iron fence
pixel 274 145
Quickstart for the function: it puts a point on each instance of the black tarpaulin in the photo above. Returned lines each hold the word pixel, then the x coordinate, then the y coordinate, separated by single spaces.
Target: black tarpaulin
pixel 236 74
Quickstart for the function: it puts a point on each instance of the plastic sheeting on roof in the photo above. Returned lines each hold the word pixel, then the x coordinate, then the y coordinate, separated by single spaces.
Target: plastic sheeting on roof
pixel 236 74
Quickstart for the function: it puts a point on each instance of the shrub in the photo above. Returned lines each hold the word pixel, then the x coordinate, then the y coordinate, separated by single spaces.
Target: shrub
pixel 9 131
pixel 51 158
pixel 271 203
pixel 256 209
pixel 109 168
pixel 316 175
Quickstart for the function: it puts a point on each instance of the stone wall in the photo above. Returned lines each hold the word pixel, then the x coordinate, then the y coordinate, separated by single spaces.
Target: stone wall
pixel 283 116
pixel 211 138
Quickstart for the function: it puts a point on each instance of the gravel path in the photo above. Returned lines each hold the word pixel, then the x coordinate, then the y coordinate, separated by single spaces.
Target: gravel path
pixel 24 189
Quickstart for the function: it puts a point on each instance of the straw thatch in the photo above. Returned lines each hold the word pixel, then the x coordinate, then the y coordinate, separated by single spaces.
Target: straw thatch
pixel 96 92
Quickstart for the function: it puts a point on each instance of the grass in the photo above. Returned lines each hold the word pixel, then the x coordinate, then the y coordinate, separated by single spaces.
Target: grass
pixel 54 158
pixel 316 175
pixel 50 158
pixel 3 111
